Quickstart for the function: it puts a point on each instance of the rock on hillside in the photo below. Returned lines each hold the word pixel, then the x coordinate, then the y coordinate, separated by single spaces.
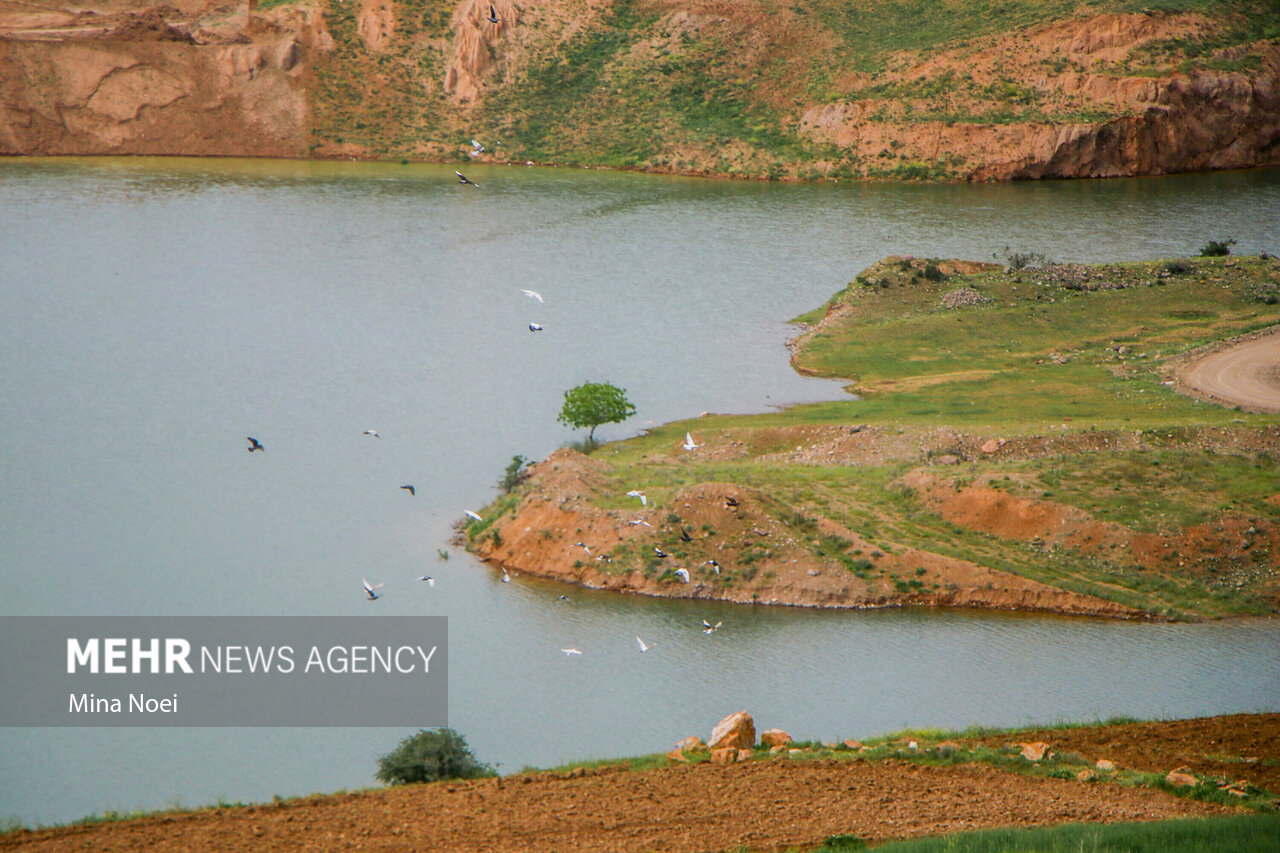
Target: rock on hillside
pixel 701 88
pixel 192 77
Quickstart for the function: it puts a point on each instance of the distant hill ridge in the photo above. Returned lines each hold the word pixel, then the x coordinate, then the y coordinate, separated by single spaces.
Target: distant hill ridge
pixel 918 89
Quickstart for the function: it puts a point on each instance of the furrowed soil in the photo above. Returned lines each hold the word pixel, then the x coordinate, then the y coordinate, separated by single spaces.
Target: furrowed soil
pixel 764 804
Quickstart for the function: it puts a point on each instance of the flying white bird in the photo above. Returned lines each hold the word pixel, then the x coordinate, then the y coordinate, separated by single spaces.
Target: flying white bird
pixel 506 578
pixel 535 327
pixel 372 432
pixel 571 652
pixel 708 628
pixel 714 565
pixel 636 493
pixel 661 553
pixel 583 546
pixel 254 444
pixel 644 647
pixel 683 574
pixel 471 514
pixel 476 148
pixel 688 442
pixel 371 590
pixel 430 580
pixel 533 294
pixel 633 522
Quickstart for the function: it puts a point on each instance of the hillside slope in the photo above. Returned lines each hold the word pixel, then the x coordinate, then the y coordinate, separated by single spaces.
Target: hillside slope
pixel 755 88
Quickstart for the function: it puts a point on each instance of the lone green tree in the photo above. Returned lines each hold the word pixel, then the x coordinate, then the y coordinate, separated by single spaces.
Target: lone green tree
pixel 595 403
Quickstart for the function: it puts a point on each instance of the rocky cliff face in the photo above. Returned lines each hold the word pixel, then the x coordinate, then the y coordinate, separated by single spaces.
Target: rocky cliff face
pixel 193 78
pixel 1087 112
pixel 1094 96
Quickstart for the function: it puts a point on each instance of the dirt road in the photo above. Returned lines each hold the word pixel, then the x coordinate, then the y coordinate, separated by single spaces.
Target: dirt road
pixel 1245 375
pixel 761 805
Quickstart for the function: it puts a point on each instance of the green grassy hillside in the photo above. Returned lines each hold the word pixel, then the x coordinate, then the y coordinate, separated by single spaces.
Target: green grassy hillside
pixel 726 87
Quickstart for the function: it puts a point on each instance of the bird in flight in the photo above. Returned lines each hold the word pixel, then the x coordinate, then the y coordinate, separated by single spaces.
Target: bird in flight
pixel 409 489
pixel 583 546
pixel 688 442
pixel 684 535
pixel 633 522
pixel 533 294
pixel 661 553
pixel 731 503
pixel 714 565
pixel 254 444
pixel 476 149
pixel 571 652
pixel 506 578
pixel 493 15
pixel 708 628
pixel 463 179
pixel 636 493
pixel 563 598
pixel 372 432
pixel 430 580
pixel 371 590
pixel 471 514
pixel 683 574
pixel 535 327
pixel 644 647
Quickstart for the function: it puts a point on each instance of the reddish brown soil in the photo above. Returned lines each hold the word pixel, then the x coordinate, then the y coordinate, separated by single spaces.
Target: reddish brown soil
pixel 761 805
pixel 1236 746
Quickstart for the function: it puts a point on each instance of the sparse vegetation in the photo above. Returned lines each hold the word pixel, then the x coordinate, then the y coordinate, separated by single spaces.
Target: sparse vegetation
pixel 1239 834
pixel 1217 248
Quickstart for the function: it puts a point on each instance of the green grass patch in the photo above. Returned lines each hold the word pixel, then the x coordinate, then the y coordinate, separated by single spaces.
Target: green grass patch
pixel 1256 833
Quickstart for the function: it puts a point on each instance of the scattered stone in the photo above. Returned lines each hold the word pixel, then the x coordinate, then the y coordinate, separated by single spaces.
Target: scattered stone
pixel 1086 775
pixel 1105 766
pixel 577 773
pixel 677 755
pixel 963 297
pixel 737 731
pixel 793 751
pixel 775 737
pixel 728 755
pixel 744 755
pixel 1236 789
pixel 992 445
pixel 853 744
pixel 1181 778
pixel 1034 751
pixel 691 744
pixel 774 750
pixel 948 459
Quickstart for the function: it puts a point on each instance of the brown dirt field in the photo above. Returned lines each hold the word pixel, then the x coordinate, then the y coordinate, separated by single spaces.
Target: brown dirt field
pixel 762 805
pixel 1236 746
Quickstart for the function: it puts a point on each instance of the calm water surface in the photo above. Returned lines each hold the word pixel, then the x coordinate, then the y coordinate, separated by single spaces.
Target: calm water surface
pixel 155 312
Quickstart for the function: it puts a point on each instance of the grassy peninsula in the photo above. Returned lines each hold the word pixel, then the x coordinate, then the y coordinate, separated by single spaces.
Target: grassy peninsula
pixel 1017 440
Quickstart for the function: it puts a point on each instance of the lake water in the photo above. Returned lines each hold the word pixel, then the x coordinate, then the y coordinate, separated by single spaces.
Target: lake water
pixel 153 313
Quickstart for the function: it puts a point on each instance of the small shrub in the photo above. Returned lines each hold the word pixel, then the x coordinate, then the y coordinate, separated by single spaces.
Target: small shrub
pixel 515 474
pixel 1217 248
pixel 932 272
pixel 429 756
pixel 1177 267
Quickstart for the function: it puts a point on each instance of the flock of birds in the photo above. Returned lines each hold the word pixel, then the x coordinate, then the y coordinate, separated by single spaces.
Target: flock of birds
pixel 371 590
